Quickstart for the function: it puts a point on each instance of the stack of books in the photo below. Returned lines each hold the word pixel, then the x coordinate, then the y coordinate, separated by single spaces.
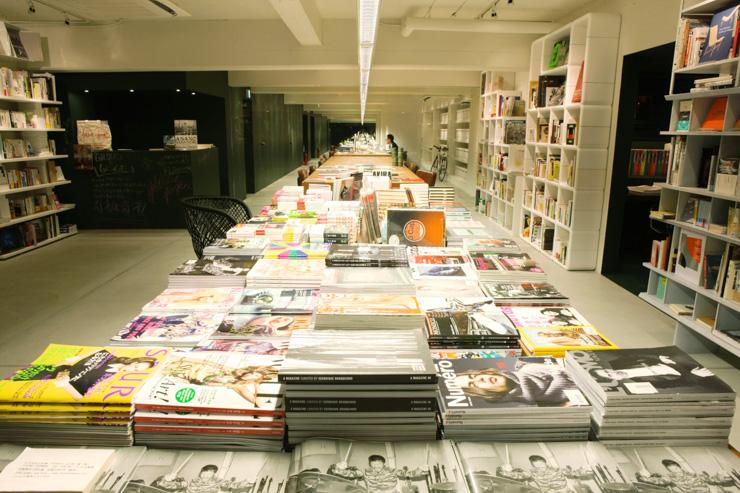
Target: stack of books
pixel 511 399
pixel 368 310
pixel 497 265
pixel 76 395
pixel 212 400
pixel 212 272
pixel 168 329
pixel 273 231
pixel 194 300
pixel 284 273
pixel 653 396
pixel 236 248
pixel 357 384
pixel 449 265
pixel 490 245
pixel 329 233
pixel 470 325
pixel 283 250
pixel 367 255
pixel 387 280
pixel 513 292
pixel 459 231
pixel 553 330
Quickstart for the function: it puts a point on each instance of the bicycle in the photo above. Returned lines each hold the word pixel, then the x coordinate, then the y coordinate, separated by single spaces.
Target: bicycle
pixel 439 165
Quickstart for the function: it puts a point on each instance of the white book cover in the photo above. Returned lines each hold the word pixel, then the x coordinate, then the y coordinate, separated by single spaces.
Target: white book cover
pixel 55 470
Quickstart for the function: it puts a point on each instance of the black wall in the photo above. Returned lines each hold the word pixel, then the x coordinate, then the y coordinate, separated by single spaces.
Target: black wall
pixel 339 131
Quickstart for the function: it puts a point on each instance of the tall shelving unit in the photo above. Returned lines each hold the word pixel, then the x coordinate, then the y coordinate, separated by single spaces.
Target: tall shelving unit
pixel 500 162
pixel 563 190
pixel 46 229
pixel 713 314
pixel 461 152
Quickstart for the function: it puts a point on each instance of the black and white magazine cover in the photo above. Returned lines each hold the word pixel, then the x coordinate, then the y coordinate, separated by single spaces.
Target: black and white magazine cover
pixel 119 470
pixel 662 373
pixel 680 469
pixel 375 467
pixel 563 467
pixel 277 300
pixel 166 471
pixel 216 266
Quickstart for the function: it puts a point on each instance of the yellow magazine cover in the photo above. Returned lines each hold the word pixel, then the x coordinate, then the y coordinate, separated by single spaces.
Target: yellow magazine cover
pixel 84 374
pixel 557 340
pixel 368 303
pixel 34 407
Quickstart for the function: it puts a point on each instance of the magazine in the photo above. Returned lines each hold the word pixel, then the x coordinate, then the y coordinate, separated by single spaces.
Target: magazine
pixel 169 329
pixel 237 325
pixel 276 300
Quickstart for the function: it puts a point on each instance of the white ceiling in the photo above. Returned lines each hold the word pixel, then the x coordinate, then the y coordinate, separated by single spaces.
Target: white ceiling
pixel 116 10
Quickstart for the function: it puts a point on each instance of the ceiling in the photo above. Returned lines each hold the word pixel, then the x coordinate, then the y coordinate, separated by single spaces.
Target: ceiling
pixel 129 10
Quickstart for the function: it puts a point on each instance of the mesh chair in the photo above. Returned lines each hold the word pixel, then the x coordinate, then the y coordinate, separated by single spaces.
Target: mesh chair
pixel 208 218
pixel 430 177
pixel 413 167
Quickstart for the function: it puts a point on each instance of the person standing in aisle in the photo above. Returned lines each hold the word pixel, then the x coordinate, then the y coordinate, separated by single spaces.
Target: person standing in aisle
pixel 390 140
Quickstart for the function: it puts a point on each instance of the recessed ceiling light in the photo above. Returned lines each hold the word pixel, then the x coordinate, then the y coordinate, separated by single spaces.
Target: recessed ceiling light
pixel 130 90
pixel 177 90
pixel 87 90
pixel 192 93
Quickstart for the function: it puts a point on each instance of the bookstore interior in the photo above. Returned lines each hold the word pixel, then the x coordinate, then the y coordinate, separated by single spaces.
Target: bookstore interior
pixel 500 252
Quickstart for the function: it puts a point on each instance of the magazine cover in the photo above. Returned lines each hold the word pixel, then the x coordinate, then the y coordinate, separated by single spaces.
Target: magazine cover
pixel 652 372
pixel 457 304
pixel 681 469
pixel 84 374
pixel 721 37
pixel 440 270
pixel 351 277
pixel 175 328
pixel 375 467
pixel 508 290
pixel 416 227
pixel 489 244
pixel 437 255
pixel 275 346
pixel 284 250
pixel 216 382
pixel 194 299
pixel 276 300
pixel 560 339
pixel 180 471
pixel 367 254
pixel 215 266
pixel 358 356
pixel 509 262
pixel 367 303
pixel 261 325
pixel 267 268
pixel 544 316
pixel 224 246
pixel 475 385
pixel 489 321
pixel 475 353
pixel 563 467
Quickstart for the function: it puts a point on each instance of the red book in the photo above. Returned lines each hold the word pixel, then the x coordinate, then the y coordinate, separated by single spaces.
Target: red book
pixel 733 52
pixel 578 92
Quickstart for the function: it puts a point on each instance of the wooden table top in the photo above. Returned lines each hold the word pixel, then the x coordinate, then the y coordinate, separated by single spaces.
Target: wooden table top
pixel 345 161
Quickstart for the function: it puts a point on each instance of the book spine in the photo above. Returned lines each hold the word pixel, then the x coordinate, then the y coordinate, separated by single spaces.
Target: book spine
pixel 214 410
pixel 208 422
pixel 218 431
pixel 361 404
pixel 358 379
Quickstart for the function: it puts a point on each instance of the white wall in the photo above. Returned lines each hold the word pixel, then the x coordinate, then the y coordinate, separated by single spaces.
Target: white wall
pixel 405 125
pixel 645 24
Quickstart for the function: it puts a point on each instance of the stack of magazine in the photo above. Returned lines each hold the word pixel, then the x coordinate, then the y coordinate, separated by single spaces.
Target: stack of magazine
pixel 522 292
pixel 362 310
pixel 511 399
pixel 236 248
pixel 449 266
pixel 553 330
pixel 296 250
pixel 194 300
pixel 212 400
pixel 388 280
pixel 182 329
pixel 457 232
pixel 497 265
pixel 377 385
pixel 468 323
pixel 490 245
pixel 283 273
pixel 653 396
pixel 212 272
pixel 367 255
pixel 76 395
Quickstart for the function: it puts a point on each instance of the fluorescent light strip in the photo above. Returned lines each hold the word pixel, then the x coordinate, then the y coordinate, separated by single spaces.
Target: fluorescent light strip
pixel 368 15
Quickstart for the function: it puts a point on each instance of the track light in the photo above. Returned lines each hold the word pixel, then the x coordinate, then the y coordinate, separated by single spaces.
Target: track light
pixel 67 20
pixel 31 7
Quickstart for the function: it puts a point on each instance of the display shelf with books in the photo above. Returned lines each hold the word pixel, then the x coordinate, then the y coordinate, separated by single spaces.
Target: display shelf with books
pixel 693 274
pixel 568 122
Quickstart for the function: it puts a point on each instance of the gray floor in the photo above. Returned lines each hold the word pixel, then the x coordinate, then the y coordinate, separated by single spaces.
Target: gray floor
pixel 83 289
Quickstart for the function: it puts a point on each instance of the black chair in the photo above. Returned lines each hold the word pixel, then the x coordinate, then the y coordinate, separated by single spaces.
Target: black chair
pixel 208 218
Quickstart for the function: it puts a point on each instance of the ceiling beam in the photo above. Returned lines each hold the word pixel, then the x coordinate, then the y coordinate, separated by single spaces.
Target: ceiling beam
pixel 411 24
pixel 302 18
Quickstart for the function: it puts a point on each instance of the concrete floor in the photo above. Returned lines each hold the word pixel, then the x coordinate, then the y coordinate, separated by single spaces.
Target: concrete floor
pixel 82 290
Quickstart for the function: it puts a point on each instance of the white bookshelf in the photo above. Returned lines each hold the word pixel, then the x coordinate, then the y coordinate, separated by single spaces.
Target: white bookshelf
pixel 40 161
pixel 564 178
pixel 713 313
pixel 447 122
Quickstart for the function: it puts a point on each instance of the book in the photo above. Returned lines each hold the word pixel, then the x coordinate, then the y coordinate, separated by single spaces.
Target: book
pixel 55 470
pixel 721 36
pixel 275 300
pixel 243 325
pixel 550 88
pixel 715 119
pixel 275 346
pixel 690 254
pixel 296 250
pixel 194 299
pixel 170 329
pixel 556 340
pixel 559 53
pixel 416 227
pixel 726 180
pixel 578 92
pixel 367 255
pixel 684 116
pixel 524 292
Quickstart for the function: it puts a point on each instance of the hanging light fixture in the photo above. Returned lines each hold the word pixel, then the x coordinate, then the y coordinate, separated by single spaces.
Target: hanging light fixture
pixel 368 14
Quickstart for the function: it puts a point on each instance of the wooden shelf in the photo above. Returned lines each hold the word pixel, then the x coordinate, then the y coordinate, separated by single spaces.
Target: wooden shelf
pixel 33 158
pixel 12 191
pixel 17 99
pixel 23 250
pixel 31 217
pixel 2 129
